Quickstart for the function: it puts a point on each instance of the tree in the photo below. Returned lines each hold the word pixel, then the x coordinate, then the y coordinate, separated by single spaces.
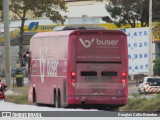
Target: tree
pixel 130 11
pixel 1 8
pixel 156 11
pixel 38 8
pixel 156 67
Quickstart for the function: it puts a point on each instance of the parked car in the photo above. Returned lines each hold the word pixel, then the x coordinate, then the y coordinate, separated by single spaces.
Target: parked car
pixel 149 85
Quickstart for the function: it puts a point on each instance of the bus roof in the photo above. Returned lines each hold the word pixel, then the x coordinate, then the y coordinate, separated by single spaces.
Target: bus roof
pixel 72 32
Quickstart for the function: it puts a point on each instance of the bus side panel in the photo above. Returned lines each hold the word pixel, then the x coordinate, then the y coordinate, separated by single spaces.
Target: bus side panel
pixel 49 68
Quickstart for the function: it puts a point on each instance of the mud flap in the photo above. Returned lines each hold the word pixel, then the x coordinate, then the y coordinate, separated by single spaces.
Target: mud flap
pixel 30 94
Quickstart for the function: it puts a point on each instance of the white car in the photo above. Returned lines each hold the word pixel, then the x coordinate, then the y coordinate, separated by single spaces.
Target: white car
pixel 149 85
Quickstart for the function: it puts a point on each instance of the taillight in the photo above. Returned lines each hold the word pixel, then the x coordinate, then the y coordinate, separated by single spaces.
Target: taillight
pixel 123 81
pixel 100 33
pixel 73 78
pixel 123 73
pixel 73 74
pixel 78 33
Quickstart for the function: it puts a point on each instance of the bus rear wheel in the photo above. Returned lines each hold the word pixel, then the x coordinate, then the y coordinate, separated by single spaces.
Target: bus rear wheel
pixel 145 91
pixel 34 97
pixel 57 101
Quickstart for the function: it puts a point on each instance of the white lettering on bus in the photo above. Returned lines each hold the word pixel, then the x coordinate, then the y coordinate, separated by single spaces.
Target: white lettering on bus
pixel 107 42
pixel 52 68
pixel 88 43
pixel 43 57
pixel 50 64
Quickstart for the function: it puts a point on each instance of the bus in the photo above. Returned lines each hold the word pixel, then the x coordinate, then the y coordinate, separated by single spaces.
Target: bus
pixel 75 68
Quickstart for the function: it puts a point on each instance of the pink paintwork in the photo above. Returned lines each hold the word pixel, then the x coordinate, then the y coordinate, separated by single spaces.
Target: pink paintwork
pixel 88 67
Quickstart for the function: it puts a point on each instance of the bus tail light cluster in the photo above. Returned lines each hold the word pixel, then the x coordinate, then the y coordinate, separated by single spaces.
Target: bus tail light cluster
pixel 73 78
pixel 123 81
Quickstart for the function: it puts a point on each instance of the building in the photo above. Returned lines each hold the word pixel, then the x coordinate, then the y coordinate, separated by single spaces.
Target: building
pixel 79 12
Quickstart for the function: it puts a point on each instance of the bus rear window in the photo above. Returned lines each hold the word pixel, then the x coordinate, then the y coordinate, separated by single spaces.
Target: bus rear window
pixel 106 73
pixel 88 73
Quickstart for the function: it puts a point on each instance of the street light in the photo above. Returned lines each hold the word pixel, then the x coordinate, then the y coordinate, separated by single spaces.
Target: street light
pixel 150 71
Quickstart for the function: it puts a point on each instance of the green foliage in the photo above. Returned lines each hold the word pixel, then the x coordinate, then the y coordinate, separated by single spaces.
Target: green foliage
pixel 137 103
pixel 1 2
pixel 38 8
pixel 156 67
pixel 131 11
pixel 20 95
pixel 1 8
pixel 21 99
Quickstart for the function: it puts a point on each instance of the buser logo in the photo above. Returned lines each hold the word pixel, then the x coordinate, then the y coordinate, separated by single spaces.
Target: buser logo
pixel 88 43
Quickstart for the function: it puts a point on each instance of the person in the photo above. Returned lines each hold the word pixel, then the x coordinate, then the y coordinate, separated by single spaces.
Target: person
pixel 18 64
pixel 3 88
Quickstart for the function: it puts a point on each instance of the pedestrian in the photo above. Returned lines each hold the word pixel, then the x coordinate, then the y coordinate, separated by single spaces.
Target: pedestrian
pixel 3 88
pixel 18 64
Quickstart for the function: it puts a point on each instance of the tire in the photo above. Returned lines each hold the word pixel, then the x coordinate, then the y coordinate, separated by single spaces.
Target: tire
pixel 139 91
pixel 145 92
pixel 57 101
pixel 34 98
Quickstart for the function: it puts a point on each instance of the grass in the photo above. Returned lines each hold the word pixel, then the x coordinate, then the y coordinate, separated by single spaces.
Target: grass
pixel 142 104
pixel 20 96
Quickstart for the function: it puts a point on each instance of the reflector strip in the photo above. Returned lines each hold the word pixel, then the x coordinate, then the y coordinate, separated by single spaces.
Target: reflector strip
pixel 151 89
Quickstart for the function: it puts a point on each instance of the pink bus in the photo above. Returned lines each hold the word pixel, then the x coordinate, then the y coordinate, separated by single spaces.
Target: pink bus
pixel 86 68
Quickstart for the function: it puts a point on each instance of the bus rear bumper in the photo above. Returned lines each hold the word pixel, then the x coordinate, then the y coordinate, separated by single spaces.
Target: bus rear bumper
pixel 110 100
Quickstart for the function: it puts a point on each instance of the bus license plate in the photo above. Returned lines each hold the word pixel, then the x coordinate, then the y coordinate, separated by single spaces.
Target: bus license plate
pixel 98 91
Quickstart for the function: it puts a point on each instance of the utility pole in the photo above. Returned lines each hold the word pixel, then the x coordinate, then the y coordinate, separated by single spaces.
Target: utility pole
pixel 150 70
pixel 7 44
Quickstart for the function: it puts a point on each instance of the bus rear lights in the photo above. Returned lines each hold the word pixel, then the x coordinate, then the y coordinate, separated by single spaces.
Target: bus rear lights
pixel 73 78
pixel 123 81
pixel 78 33
pixel 73 74
pixel 100 33
pixel 74 84
pixel 123 74
pixel 73 81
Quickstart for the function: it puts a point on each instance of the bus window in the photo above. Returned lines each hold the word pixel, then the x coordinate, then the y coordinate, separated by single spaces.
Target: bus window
pixel 88 73
pixel 106 73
